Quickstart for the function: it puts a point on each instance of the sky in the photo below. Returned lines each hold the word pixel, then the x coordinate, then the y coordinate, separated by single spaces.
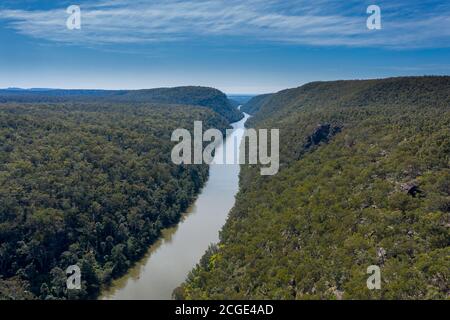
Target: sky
pixel 237 46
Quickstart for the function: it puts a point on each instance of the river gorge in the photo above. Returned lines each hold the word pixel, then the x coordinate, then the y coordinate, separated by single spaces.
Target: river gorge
pixel 174 255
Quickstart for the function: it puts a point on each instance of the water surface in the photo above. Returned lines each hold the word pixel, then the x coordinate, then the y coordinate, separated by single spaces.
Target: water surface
pixel 170 259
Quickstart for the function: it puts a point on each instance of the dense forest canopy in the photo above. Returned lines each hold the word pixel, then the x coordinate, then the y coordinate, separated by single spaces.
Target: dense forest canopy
pixel 365 180
pixel 88 184
pixel 200 96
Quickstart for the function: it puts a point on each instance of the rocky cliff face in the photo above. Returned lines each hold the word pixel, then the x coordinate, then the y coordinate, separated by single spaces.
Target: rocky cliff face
pixel 322 134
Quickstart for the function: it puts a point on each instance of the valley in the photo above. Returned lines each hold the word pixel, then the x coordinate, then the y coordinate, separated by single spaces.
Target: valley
pixel 354 155
pixel 86 179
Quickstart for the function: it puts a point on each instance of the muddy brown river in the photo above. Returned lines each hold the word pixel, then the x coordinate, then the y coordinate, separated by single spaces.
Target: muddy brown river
pixel 174 255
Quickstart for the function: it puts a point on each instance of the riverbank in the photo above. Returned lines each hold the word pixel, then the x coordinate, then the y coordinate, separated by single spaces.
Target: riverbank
pixel 173 256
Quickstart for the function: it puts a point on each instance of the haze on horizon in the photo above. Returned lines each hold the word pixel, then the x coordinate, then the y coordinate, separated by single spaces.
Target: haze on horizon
pixel 254 47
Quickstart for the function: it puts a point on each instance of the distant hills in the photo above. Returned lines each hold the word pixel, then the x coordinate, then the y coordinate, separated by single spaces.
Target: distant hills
pixel 190 95
pixel 31 89
pixel 239 99
pixel 255 103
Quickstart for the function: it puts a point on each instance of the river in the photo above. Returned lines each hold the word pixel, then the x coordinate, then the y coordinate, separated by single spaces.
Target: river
pixel 174 255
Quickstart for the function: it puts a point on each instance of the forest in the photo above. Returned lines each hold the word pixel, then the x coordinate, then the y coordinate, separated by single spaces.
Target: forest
pixel 256 103
pixel 190 95
pixel 89 182
pixel 364 180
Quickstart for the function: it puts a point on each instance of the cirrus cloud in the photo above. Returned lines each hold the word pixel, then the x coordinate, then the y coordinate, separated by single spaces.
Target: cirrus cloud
pixel 406 24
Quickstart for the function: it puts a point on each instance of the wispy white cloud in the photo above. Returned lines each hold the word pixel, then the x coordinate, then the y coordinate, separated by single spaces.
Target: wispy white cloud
pixel 319 23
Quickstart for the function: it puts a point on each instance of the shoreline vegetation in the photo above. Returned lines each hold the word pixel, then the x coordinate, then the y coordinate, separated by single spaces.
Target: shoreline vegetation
pixel 180 248
pixel 107 288
pixel 364 180
pixel 88 181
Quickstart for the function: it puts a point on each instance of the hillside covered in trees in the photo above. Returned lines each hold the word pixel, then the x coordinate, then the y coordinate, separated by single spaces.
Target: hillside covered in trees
pixel 199 96
pixel 255 103
pixel 364 180
pixel 88 184
pixel 239 100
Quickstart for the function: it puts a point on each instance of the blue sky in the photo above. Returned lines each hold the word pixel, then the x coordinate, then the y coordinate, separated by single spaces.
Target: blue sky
pixel 238 46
